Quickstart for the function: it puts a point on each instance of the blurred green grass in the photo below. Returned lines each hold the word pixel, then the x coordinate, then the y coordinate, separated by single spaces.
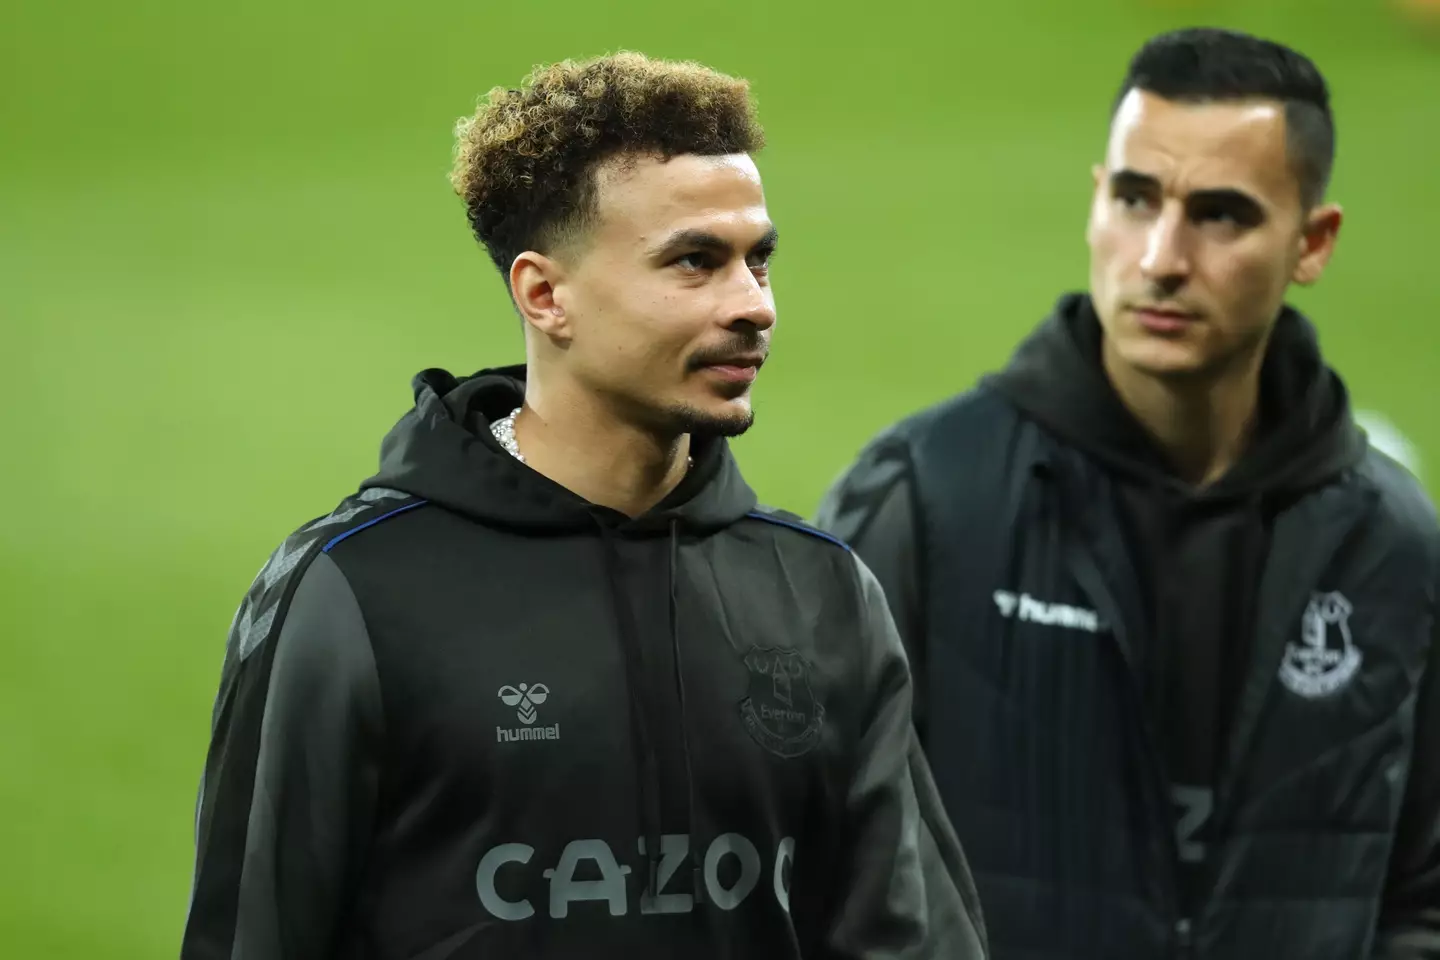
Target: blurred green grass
pixel 226 243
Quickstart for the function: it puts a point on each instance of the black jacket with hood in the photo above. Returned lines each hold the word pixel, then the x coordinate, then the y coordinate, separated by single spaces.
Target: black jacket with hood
pixel 469 714
pixel 1167 721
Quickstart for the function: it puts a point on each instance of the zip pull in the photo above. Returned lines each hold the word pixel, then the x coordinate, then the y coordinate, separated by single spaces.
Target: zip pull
pixel 697 882
pixel 1184 938
pixel 652 884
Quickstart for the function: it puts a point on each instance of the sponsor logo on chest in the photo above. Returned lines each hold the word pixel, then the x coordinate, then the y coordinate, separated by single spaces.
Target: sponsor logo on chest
pixel 732 870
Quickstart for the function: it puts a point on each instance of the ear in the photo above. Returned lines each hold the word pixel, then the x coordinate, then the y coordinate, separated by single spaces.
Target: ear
pixel 535 280
pixel 1317 243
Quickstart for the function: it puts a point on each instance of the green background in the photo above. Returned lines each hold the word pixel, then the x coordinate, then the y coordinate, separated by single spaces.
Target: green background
pixel 227 242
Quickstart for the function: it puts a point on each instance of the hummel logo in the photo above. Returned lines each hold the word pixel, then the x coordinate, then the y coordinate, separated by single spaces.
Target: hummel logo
pixel 525 699
pixel 1031 610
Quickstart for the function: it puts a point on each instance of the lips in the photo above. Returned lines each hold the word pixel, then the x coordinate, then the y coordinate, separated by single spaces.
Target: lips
pixel 740 369
pixel 1163 319
pixel 755 360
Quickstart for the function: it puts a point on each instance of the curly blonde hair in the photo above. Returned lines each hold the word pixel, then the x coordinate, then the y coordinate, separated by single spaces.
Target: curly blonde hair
pixel 525 161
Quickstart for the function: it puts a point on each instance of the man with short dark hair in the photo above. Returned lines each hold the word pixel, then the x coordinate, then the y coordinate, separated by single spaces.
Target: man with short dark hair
pixel 551 684
pixel 1173 624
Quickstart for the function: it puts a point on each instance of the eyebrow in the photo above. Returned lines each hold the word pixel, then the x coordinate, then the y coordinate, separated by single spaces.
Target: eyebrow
pixel 1132 178
pixel 1222 196
pixel 705 240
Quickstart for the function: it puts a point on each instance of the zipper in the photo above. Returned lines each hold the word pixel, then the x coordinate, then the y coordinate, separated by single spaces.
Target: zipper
pixel 1184 941
pixel 1092 581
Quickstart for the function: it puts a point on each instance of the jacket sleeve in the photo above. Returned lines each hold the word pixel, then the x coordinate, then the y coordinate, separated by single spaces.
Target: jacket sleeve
pixel 291 777
pixel 905 889
pixel 1409 926
pixel 872 508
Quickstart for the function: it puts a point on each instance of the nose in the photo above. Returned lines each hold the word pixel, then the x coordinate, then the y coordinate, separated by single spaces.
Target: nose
pixel 753 302
pixel 1166 262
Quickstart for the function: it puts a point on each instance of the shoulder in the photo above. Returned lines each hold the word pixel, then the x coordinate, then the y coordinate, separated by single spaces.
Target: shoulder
pixel 812 561
pixel 791 528
pixel 1404 512
pixel 272 592
pixel 973 419
pixel 971 430
pixel 817 563
pixel 971 443
pixel 793 531
pixel 973 414
pixel 1400 492
pixel 981 407
pixel 959 451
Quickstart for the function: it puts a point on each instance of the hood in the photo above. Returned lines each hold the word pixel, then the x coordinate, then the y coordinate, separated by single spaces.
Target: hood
pixel 1306 436
pixel 442 451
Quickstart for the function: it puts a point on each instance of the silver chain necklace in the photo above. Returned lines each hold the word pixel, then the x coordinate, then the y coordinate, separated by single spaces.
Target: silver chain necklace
pixel 503 430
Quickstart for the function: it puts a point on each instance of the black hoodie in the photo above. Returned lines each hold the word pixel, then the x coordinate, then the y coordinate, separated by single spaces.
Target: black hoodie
pixel 469 714
pixel 1087 632
pixel 1201 550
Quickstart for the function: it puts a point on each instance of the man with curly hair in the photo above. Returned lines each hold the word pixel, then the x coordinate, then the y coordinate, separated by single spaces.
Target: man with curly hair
pixel 551 683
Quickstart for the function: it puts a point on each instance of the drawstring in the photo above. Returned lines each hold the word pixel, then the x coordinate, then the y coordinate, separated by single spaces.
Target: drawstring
pixel 647 766
pixel 1028 503
pixel 1026 514
pixel 696 862
pixel 1029 514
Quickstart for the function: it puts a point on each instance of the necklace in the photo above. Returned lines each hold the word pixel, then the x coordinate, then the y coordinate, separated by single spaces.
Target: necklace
pixel 503 430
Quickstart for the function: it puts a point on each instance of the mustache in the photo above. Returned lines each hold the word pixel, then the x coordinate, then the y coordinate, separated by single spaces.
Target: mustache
pixel 1161 296
pixel 743 346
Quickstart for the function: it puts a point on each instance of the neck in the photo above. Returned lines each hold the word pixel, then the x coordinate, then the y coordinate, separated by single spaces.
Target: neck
pixel 570 437
pixel 1203 424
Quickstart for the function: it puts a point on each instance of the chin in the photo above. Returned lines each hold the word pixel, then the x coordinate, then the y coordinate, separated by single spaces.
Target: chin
pixel 726 419
pixel 1161 359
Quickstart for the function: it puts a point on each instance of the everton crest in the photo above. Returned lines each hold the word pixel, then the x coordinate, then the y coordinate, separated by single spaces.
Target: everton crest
pixel 781 712
pixel 1325 658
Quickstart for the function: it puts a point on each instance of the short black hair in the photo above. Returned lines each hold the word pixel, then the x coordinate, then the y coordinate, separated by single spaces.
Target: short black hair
pixel 1206 64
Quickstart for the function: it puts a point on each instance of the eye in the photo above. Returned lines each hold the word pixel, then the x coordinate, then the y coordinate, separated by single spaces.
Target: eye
pixel 1227 214
pixel 1209 211
pixel 694 262
pixel 1223 217
pixel 759 261
pixel 1132 199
